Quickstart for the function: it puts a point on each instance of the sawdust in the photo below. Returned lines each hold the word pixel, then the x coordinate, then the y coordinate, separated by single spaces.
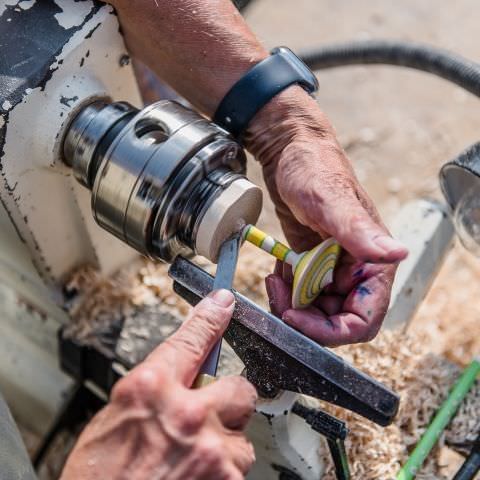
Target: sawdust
pixel 423 381
pixel 99 301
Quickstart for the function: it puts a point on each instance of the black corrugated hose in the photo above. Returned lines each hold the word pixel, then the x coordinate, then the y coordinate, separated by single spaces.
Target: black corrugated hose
pixel 444 64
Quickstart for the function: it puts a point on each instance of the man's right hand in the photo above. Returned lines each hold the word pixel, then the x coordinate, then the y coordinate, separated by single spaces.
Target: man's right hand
pixel 157 427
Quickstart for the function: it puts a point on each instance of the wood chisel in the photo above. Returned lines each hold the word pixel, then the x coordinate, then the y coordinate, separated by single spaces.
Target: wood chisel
pixel 226 266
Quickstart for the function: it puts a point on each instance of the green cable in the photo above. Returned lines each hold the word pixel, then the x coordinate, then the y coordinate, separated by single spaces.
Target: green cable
pixel 441 420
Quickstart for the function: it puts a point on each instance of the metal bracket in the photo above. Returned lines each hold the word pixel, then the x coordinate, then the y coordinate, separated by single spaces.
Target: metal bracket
pixel 334 430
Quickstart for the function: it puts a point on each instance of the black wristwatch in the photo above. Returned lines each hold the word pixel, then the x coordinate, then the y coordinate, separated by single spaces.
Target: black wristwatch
pixel 259 85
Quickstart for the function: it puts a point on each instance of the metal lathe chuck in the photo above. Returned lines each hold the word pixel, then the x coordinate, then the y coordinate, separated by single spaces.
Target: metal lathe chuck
pixel 164 179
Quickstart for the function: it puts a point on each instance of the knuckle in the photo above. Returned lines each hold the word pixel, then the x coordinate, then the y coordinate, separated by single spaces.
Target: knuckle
pixel 184 341
pixel 210 450
pixel 251 458
pixel 230 475
pixel 203 315
pixel 137 386
pixel 202 331
pixel 370 333
pixel 244 456
pixel 208 315
pixel 248 393
pixel 251 390
pixel 190 416
pixel 357 222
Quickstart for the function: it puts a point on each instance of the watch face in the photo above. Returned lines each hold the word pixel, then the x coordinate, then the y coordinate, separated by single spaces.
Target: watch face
pixel 310 80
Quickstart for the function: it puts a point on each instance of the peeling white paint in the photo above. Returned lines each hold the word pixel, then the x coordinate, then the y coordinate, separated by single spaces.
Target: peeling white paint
pixel 5 3
pixel 26 4
pixel 73 13
pixel 6 105
pixel 32 160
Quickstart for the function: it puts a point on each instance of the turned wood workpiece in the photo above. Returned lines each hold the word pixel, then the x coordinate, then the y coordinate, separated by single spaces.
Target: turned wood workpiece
pixel 312 270
pixel 239 204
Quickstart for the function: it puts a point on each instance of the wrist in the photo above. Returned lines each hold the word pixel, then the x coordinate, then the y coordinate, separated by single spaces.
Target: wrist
pixel 292 114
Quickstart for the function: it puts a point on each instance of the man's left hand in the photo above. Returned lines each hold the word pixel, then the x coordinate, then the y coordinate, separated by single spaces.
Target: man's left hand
pixel 317 195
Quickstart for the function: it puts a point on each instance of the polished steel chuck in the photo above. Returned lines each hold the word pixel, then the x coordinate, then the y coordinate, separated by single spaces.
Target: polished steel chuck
pixel 164 179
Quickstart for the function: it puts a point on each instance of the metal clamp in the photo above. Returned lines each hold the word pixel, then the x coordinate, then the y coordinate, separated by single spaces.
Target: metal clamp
pixel 277 357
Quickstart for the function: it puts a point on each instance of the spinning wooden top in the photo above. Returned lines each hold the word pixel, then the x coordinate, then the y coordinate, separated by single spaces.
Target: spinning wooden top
pixel 312 270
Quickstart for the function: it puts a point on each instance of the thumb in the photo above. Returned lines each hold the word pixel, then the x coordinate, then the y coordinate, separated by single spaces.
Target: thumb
pixel 331 202
pixel 188 347
pixel 362 236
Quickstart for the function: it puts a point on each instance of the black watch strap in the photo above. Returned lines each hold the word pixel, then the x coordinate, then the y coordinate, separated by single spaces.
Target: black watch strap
pixel 259 85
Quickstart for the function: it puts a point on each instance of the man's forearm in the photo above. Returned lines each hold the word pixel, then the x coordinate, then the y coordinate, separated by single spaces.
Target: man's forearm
pixel 199 47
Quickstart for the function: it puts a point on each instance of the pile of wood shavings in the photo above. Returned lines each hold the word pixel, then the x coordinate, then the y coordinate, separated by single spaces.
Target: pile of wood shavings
pixel 100 302
pixel 423 382
pixel 421 366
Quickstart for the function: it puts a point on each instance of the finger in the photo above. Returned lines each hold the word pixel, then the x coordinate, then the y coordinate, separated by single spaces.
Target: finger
pixel 352 226
pixel 312 322
pixel 340 329
pixel 278 270
pixel 284 270
pixel 184 352
pixel 204 459
pixel 331 331
pixel 232 398
pixel 287 273
pixel 369 301
pixel 241 451
pixel 279 294
pixel 332 201
pixel 349 275
pixel 229 472
pixel 330 304
pixel 361 319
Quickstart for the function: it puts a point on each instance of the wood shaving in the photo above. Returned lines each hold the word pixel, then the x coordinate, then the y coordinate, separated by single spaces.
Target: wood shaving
pixel 100 302
pixel 423 381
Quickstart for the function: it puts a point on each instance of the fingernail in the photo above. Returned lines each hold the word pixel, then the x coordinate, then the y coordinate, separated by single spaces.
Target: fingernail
pixel 389 244
pixel 223 298
pixel 288 319
pixel 269 285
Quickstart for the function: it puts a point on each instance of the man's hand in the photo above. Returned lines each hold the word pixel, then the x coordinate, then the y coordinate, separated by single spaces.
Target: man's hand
pixel 317 195
pixel 156 427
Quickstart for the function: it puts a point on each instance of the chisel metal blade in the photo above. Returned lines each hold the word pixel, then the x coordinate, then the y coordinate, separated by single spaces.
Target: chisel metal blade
pixel 226 266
